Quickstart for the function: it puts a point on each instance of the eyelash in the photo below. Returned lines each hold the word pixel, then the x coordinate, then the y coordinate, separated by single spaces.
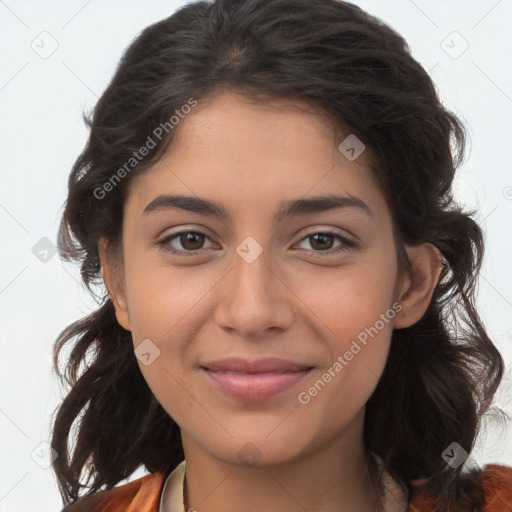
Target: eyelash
pixel 347 244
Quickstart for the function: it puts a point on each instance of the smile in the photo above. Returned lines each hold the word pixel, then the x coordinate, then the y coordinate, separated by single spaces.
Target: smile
pixel 254 386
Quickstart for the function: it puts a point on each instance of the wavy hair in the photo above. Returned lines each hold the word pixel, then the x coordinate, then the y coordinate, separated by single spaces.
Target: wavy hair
pixel 441 374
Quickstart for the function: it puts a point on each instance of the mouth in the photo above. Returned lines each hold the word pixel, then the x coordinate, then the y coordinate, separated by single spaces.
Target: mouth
pixel 256 380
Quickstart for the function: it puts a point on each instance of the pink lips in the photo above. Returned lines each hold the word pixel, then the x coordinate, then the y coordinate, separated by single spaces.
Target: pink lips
pixel 254 380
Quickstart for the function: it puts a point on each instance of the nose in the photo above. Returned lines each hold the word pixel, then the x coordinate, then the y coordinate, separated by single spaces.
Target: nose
pixel 254 298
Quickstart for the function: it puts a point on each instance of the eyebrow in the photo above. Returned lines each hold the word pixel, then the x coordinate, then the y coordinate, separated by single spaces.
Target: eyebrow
pixel 289 208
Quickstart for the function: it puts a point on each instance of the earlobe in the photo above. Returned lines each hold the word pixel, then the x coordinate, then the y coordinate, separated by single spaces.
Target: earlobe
pixel 112 277
pixel 416 294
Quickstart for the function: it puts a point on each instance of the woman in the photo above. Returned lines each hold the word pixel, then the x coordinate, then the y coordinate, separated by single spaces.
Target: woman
pixel 289 321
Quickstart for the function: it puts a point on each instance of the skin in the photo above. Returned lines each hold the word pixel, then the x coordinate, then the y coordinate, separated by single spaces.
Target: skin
pixel 290 302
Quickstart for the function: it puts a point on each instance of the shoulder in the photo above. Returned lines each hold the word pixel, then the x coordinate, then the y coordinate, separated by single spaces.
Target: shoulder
pixel 495 482
pixel 497 486
pixel 141 495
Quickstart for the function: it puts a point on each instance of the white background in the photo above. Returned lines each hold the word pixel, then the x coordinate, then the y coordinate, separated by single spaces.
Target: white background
pixel 42 133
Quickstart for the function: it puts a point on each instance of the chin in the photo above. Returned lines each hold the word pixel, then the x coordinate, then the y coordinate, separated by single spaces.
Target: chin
pixel 255 451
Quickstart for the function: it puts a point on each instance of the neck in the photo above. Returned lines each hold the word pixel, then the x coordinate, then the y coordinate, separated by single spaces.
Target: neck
pixel 328 478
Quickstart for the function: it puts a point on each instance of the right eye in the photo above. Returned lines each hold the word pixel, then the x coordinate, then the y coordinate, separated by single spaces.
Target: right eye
pixel 189 241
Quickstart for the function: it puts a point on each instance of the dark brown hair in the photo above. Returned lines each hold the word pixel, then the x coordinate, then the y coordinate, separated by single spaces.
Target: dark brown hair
pixel 441 373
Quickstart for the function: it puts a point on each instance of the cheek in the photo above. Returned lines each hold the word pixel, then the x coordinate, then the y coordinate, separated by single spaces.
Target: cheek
pixel 355 313
pixel 349 303
pixel 162 298
pixel 160 303
pixel 169 386
pixel 357 357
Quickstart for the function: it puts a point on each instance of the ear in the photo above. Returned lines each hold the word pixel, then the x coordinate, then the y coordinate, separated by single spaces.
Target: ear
pixel 113 277
pixel 417 289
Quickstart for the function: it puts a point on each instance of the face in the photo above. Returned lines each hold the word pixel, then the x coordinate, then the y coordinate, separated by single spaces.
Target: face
pixel 303 304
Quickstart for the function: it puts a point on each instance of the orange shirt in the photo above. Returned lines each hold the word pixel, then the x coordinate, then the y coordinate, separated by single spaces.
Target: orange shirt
pixel 145 494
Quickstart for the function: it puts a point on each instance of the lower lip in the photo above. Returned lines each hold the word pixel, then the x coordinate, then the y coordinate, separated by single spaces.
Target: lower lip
pixel 254 386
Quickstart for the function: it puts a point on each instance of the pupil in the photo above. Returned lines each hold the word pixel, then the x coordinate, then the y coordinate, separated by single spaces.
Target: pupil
pixel 320 236
pixel 189 237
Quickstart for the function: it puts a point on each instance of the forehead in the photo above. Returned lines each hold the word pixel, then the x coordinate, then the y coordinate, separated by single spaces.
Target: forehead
pixel 224 112
pixel 244 152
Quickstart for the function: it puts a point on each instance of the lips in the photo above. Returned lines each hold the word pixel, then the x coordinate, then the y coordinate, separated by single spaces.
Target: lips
pixel 268 365
pixel 254 380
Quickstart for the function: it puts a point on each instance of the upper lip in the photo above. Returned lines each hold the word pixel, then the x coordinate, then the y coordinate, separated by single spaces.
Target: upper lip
pixel 269 364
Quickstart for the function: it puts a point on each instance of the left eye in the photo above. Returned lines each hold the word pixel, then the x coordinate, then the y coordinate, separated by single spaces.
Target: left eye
pixel 321 239
pixel 192 242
